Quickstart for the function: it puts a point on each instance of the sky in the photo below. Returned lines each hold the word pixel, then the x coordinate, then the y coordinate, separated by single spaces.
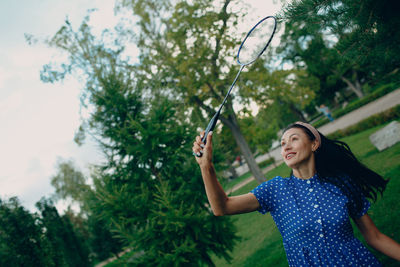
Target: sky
pixel 39 120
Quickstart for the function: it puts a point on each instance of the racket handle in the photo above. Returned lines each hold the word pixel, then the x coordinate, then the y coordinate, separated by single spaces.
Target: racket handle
pixel 210 127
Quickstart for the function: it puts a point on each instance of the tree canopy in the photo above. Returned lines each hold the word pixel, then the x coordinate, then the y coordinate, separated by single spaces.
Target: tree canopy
pixel 149 191
pixel 148 196
pixel 342 42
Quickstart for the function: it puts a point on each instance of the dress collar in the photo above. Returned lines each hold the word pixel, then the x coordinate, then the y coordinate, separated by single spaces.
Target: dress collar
pixel 311 179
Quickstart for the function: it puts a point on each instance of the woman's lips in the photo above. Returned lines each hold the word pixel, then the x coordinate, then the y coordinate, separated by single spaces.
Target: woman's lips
pixel 290 155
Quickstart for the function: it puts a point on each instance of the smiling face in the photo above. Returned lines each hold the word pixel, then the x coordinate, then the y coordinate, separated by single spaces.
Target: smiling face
pixel 297 148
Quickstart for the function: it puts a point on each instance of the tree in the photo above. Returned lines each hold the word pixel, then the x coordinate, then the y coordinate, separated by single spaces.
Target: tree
pixel 155 191
pixel 21 240
pixel 68 249
pixel 146 143
pixel 311 51
pixel 32 240
pixel 71 184
pixel 343 40
pixel 189 48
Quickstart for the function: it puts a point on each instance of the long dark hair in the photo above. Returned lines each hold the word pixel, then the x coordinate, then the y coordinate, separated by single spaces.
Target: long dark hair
pixel 336 164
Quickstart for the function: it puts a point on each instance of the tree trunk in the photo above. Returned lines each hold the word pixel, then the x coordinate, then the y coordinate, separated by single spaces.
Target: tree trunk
pixel 232 123
pixel 356 88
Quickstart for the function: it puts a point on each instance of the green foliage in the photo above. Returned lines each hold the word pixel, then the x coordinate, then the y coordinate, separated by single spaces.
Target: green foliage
pixel 287 87
pixel 266 162
pixel 68 182
pixel 187 50
pixel 368 123
pixel 180 235
pixel 378 92
pixel 31 240
pixel 67 249
pixel 71 184
pixel 147 143
pixel 102 241
pixel 284 96
pixel 21 240
pixel 265 248
pixel 150 190
pixel 342 42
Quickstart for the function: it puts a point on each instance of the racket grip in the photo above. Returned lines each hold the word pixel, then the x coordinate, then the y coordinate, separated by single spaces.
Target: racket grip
pixel 210 127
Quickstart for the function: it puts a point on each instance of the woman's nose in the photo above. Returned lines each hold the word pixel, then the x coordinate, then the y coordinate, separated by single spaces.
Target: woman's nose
pixel 287 146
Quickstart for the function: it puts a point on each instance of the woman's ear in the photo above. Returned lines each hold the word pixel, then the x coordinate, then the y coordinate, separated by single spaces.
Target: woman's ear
pixel 314 145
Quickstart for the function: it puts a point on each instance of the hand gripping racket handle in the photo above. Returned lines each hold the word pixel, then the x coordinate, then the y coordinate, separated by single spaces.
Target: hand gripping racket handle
pixel 210 127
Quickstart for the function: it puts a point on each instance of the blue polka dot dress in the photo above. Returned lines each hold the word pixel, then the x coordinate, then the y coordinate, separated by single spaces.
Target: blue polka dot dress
pixel 313 219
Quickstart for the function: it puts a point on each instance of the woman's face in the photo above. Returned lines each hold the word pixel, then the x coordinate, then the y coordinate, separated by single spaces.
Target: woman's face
pixel 296 148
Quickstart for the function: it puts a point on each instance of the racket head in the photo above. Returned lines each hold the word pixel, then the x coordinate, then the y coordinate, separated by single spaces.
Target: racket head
pixel 256 41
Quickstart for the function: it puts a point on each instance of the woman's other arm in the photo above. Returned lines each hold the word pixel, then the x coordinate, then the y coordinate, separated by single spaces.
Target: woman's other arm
pixel 376 239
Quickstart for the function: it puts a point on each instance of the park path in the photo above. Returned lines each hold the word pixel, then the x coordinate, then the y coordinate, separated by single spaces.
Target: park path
pixel 248 180
pixel 390 100
pixel 379 105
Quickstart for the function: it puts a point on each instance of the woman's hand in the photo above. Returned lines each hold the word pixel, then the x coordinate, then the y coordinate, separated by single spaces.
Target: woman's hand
pixel 220 203
pixel 203 151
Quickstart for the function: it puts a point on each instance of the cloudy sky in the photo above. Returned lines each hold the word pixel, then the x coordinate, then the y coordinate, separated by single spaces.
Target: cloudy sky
pixel 38 120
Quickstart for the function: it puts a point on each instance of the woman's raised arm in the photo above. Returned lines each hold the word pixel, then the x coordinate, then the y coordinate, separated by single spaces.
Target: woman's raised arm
pixel 220 203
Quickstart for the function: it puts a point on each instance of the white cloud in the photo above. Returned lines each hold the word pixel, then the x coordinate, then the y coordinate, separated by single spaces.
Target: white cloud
pixel 39 120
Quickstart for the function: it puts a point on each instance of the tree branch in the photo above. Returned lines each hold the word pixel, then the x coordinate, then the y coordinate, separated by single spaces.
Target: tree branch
pixel 212 90
pixel 224 16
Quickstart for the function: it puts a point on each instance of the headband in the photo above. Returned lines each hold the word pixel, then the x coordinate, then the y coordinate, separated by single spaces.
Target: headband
pixel 312 130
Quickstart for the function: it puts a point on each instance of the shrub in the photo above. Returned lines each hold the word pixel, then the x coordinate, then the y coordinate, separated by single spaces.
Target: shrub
pixel 372 121
pixel 266 162
pixel 377 93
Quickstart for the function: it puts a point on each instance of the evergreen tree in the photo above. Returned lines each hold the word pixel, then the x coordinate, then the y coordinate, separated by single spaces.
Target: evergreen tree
pixel 72 185
pixel 189 48
pixel 152 185
pixel 343 42
pixel 22 242
pixel 147 144
pixel 67 248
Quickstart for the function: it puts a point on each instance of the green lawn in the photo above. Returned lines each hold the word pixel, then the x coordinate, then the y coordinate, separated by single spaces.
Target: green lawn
pixel 261 243
pixel 236 181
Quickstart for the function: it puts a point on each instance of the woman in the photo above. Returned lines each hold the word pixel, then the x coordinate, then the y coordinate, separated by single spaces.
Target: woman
pixel 311 208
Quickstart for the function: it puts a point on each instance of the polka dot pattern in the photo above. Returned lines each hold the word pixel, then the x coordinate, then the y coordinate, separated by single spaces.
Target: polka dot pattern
pixel 313 219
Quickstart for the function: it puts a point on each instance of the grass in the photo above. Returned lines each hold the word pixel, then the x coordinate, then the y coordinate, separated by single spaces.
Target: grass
pixel 261 243
pixel 230 184
pixel 236 181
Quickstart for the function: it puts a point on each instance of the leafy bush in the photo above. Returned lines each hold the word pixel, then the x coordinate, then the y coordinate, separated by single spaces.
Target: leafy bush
pixel 266 162
pixel 377 93
pixel 372 121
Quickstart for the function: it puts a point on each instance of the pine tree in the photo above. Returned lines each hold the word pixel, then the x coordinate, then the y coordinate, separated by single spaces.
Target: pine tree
pixel 22 242
pixel 66 248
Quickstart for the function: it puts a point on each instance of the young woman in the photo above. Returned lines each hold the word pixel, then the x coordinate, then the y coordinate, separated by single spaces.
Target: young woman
pixel 311 208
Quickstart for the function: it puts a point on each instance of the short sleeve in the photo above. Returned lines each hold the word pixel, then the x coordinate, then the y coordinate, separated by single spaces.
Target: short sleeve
pixel 355 210
pixel 354 213
pixel 265 195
